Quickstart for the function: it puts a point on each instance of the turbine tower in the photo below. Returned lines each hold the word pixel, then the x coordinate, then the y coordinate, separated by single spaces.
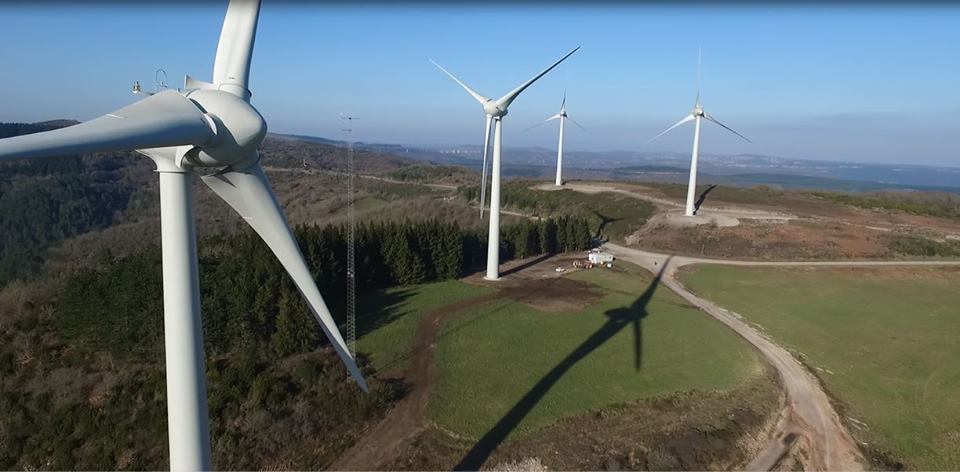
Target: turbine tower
pixel 495 110
pixel 210 130
pixel 562 116
pixel 695 116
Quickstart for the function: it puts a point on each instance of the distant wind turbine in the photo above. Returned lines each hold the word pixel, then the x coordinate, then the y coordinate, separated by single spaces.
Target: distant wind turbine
pixel 211 130
pixel 695 116
pixel 495 110
pixel 562 116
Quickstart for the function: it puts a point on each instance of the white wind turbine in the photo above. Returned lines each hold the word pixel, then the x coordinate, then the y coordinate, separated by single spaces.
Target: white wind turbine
pixel 211 130
pixel 562 116
pixel 495 110
pixel 695 116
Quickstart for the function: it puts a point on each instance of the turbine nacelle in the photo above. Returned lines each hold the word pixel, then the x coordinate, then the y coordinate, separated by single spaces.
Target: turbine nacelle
pixel 239 129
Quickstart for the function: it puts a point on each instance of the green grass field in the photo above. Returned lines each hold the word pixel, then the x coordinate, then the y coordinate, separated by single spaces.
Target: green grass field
pixel 886 339
pixel 490 357
pixel 624 214
pixel 388 345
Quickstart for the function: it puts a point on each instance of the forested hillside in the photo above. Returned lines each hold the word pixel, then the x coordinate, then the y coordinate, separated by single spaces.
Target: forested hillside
pixel 16 129
pixel 82 373
pixel 285 151
pixel 44 201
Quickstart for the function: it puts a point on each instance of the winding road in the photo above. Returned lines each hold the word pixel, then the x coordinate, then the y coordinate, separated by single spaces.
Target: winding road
pixel 809 418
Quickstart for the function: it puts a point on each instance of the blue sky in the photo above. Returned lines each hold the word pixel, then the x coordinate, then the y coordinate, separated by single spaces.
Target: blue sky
pixel 853 82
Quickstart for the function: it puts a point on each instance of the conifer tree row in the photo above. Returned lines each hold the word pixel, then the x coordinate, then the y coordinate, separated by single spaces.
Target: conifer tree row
pixel 248 300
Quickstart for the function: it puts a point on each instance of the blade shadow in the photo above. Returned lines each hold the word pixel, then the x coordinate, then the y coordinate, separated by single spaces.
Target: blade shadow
pixel 703 196
pixel 619 318
pixel 604 221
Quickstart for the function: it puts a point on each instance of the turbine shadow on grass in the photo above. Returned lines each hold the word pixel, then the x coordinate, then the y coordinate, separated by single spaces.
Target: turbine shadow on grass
pixel 619 318
pixel 703 196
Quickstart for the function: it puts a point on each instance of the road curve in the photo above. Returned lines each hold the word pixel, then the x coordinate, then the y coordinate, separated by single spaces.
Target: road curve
pixel 809 418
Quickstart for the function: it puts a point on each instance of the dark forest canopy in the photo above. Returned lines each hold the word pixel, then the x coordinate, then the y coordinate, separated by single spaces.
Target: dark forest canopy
pixel 247 296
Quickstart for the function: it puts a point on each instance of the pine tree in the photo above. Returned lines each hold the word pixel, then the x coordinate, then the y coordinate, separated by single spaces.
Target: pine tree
pixel 451 252
pixel 406 267
pixel 548 236
pixel 295 329
pixel 585 236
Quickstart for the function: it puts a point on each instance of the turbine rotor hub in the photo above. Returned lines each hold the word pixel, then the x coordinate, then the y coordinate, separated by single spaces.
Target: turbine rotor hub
pixel 240 129
pixel 493 110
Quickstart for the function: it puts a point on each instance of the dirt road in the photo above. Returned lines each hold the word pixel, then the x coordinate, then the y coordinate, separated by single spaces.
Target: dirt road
pixel 383 442
pixel 731 212
pixel 809 420
pixel 359 176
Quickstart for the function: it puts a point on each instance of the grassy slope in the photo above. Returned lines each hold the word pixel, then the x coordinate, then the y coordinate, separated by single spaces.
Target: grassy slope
pixel 491 356
pixel 628 213
pixel 389 345
pixel 888 337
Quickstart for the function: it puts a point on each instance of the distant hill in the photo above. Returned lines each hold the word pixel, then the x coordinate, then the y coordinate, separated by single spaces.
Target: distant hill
pixel 317 153
pixel 653 169
pixel 8 130
pixel 742 169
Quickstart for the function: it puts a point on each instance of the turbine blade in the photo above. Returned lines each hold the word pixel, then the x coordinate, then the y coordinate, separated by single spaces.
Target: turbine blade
pixel 699 53
pixel 161 120
pixel 554 117
pixel 684 120
pixel 563 104
pixel 707 116
pixel 249 193
pixel 483 173
pixel 507 99
pixel 575 122
pixel 235 50
pixel 473 93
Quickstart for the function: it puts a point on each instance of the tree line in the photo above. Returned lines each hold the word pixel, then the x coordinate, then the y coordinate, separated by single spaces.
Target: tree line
pixel 247 298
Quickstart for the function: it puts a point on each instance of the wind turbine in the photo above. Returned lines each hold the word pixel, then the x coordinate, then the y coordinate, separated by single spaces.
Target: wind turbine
pixel 562 116
pixel 211 130
pixel 495 110
pixel 695 116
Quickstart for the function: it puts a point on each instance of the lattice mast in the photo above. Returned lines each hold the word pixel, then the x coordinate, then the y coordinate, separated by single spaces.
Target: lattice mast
pixel 351 240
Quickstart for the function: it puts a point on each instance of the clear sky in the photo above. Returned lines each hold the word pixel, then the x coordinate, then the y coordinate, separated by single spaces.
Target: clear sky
pixel 856 82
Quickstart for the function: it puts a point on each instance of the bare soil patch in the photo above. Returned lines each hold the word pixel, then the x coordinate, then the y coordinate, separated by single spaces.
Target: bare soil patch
pixel 536 283
pixel 534 268
pixel 553 295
